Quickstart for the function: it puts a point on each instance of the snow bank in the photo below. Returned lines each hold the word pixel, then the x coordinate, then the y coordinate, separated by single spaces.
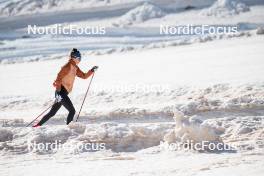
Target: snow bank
pixel 225 8
pixel 260 31
pixel 140 14
pixel 217 114
pixel 192 130
pixel 43 135
pixel 5 135
pixel 137 47
pixel 123 137
pixel 158 104
pixel 15 7
pixel 153 45
pixel 22 7
pixel 117 137
pixel 244 132
pixel 237 133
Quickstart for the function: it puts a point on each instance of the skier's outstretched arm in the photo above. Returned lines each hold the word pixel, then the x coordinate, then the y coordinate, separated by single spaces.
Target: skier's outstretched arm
pixel 83 75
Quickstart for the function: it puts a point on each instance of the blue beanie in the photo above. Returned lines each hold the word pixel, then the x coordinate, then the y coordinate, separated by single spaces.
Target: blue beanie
pixel 76 54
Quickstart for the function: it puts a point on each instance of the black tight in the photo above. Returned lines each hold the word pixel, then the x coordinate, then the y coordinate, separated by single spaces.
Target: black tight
pixel 66 102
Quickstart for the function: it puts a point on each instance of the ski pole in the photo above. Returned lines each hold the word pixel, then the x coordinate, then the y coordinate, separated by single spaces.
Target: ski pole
pixel 40 114
pixel 85 97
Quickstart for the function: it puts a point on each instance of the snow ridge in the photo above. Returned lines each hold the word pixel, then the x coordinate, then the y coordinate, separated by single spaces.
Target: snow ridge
pixel 225 8
pixel 140 14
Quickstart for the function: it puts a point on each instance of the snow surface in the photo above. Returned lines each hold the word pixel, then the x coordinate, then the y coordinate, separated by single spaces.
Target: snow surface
pixel 226 106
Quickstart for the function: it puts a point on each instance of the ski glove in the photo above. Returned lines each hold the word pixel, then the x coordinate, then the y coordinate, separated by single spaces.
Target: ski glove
pixel 94 68
pixel 58 97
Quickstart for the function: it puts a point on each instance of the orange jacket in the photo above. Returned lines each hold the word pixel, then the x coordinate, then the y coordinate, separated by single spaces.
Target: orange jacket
pixel 67 74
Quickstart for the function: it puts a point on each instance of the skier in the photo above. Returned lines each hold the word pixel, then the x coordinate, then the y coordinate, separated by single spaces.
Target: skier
pixel 64 84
